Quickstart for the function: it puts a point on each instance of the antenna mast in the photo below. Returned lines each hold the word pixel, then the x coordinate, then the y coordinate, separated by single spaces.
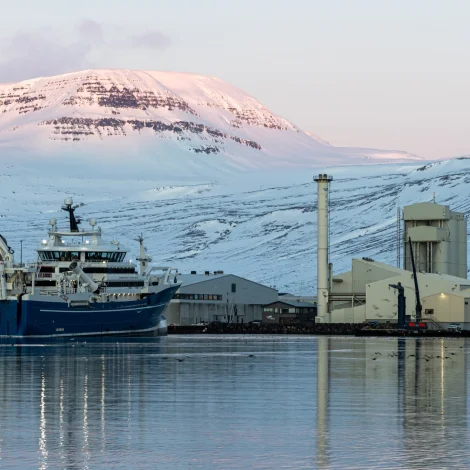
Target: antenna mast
pixel 70 208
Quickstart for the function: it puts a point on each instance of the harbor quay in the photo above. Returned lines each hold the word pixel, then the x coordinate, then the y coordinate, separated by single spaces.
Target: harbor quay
pixel 334 329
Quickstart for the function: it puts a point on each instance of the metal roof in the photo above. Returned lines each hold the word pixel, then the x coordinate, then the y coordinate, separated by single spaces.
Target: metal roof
pixel 292 304
pixel 189 279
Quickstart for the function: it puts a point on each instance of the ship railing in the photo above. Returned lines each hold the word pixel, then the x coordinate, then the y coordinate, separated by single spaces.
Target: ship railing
pixel 47 292
pixel 45 275
pixel 168 272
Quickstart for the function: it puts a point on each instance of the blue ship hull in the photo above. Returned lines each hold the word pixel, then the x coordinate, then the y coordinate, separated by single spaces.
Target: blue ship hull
pixel 36 319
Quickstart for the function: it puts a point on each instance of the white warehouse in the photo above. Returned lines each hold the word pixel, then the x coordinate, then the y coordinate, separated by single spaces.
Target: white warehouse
pixel 217 296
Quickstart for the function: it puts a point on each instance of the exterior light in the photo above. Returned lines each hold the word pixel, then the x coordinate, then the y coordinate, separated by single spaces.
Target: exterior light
pixel 44 242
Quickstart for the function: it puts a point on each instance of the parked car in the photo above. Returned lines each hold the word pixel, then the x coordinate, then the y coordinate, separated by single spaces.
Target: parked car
pixel 454 327
pixel 255 322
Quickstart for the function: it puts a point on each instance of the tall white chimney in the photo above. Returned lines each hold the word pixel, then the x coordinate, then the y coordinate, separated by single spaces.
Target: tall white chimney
pixel 323 181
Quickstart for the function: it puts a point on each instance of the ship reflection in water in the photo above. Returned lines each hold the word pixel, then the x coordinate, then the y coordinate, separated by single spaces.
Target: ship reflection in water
pixel 235 402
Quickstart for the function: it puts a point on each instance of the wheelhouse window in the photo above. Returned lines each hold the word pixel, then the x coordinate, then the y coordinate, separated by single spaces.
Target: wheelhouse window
pixel 112 257
pixel 59 255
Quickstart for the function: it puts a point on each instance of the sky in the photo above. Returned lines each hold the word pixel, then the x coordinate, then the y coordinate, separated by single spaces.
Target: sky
pixel 388 74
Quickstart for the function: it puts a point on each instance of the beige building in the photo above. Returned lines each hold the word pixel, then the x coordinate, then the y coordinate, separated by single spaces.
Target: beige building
pixel 364 294
pixel 439 240
pixel 439 237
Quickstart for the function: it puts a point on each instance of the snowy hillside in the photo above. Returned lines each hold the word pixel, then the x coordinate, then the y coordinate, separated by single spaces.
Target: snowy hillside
pixel 262 226
pixel 212 178
pixel 169 123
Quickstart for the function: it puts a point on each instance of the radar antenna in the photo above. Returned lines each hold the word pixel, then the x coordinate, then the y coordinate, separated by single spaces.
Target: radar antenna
pixel 143 258
pixel 70 208
pixel 140 238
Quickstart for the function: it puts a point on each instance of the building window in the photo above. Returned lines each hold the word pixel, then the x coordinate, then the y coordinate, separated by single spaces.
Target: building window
pixel 234 288
pixel 196 296
pixel 429 311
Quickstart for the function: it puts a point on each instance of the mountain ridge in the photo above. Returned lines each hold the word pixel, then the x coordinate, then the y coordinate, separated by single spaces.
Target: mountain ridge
pixel 191 117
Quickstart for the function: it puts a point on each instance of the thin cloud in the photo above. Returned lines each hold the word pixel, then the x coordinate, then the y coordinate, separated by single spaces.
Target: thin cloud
pixel 151 40
pixel 91 31
pixel 30 55
pixel 50 52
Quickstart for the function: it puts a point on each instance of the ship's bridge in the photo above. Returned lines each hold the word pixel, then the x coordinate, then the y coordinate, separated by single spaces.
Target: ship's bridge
pixel 79 245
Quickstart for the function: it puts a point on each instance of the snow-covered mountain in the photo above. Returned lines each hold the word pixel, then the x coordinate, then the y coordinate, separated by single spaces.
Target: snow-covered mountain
pixel 171 123
pixel 211 177
pixel 262 226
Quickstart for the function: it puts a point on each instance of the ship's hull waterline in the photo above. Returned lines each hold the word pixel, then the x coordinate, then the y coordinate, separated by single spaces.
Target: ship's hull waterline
pixel 51 319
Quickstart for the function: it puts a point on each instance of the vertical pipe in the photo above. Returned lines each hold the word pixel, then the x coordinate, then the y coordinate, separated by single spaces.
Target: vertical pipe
pixel 3 282
pixel 398 237
pixel 430 257
pixel 330 284
pixel 323 182
pixel 428 264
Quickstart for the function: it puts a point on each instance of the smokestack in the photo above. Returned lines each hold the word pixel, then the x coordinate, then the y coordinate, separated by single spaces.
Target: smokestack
pixel 323 181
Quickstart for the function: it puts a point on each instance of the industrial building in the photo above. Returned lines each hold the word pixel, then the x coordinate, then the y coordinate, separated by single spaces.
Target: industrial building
pixel 439 238
pixel 368 292
pixel 364 294
pixel 217 296
pixel 287 311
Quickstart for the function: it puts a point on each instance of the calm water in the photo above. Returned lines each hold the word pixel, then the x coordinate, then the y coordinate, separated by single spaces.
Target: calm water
pixel 201 402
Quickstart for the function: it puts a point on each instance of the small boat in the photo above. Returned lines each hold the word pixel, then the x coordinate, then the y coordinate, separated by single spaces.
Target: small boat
pixel 82 285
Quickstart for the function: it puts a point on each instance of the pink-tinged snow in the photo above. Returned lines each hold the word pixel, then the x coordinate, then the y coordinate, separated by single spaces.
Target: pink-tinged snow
pixel 239 132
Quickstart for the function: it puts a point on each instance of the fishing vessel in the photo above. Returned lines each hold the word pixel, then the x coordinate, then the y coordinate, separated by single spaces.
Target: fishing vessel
pixel 82 285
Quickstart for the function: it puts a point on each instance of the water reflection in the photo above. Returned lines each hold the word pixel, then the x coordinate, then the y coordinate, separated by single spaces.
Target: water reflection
pixel 235 402
pixel 434 402
pixel 323 379
pixel 391 402
pixel 59 393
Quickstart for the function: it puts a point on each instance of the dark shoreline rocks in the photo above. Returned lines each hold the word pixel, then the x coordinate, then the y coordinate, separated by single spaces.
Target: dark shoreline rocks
pixel 386 330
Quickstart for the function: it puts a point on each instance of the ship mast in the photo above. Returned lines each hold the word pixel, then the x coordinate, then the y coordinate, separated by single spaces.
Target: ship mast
pixel 70 208
pixel 143 258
